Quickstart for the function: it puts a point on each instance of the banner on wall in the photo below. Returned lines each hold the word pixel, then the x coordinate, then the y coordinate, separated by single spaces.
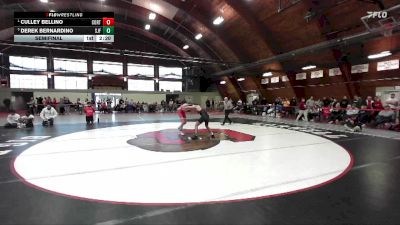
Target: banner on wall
pixel 317 74
pixel 301 76
pixel 285 78
pixel 362 68
pixel 274 80
pixel 335 72
pixel 388 65
pixel 264 81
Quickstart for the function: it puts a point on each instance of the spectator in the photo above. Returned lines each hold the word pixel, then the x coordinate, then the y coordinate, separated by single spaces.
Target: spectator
pixel 378 106
pixel 293 105
pixel 27 120
pixel 213 104
pixel 392 101
pixel 326 102
pixel 337 114
pixel 357 102
pixel 48 114
pixel 384 116
pixel 364 115
pixel 32 105
pixel 13 120
pixel 208 104
pixel 89 111
pixel 369 102
pixel 302 110
pixel 344 102
pixel 80 105
pixel 228 106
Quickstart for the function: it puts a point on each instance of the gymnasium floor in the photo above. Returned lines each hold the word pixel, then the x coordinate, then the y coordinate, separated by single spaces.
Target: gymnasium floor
pixel 134 169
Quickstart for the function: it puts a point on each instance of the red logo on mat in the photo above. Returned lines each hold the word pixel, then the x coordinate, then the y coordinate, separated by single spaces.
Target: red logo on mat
pixel 169 140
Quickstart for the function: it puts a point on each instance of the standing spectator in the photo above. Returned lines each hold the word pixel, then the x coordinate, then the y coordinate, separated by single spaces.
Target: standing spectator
pixel 208 104
pixel 39 103
pixel 213 104
pixel 293 105
pixel 32 105
pixel 12 120
pixel 357 102
pixel 369 102
pixel 326 102
pixel 7 103
pixel 89 111
pixel 310 106
pixel 80 106
pixel 392 101
pixel 302 110
pixel 377 106
pixel 228 106
pixel 48 114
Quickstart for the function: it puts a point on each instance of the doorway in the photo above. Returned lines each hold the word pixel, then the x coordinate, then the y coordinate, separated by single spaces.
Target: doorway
pixel 112 98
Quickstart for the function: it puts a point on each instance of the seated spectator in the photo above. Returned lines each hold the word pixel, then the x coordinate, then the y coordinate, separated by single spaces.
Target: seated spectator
pixel 27 120
pixel 13 120
pixel 351 112
pixel 89 111
pixel 337 114
pixel 364 115
pixel 357 102
pixel 378 106
pixel 312 113
pixel 353 124
pixel 48 114
pixel 344 102
pixel 384 116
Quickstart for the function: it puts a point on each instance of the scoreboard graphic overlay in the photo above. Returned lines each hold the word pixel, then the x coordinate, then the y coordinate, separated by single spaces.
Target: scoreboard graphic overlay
pixel 63 27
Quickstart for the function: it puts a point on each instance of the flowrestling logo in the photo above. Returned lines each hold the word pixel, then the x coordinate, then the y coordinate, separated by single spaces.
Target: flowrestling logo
pixel 377 14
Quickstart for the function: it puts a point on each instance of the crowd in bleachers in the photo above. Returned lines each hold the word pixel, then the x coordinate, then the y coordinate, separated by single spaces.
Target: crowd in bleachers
pixel 354 113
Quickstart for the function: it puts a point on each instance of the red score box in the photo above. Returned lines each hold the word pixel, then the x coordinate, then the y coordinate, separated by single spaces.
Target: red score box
pixel 108 22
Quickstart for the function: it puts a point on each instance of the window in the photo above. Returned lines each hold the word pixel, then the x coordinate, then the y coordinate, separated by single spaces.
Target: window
pixel 28 63
pixel 28 81
pixel 140 85
pixel 141 70
pixel 171 72
pixel 171 86
pixel 112 68
pixel 61 82
pixel 70 65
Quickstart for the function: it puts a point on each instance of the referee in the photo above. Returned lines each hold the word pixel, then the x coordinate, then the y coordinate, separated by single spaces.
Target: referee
pixel 228 106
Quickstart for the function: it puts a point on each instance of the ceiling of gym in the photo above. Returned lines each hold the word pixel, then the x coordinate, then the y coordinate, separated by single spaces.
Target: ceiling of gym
pixel 251 30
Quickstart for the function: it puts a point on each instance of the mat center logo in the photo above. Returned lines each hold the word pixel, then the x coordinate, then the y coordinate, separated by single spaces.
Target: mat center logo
pixel 169 140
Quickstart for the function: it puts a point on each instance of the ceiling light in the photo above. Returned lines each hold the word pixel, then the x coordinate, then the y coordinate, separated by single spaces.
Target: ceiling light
pixel 154 7
pixel 218 20
pixel 222 82
pixel 380 55
pixel 267 74
pixel 241 79
pixel 198 36
pixel 44 1
pixel 152 16
pixel 52 11
pixel 147 27
pixel 186 47
pixel 309 67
